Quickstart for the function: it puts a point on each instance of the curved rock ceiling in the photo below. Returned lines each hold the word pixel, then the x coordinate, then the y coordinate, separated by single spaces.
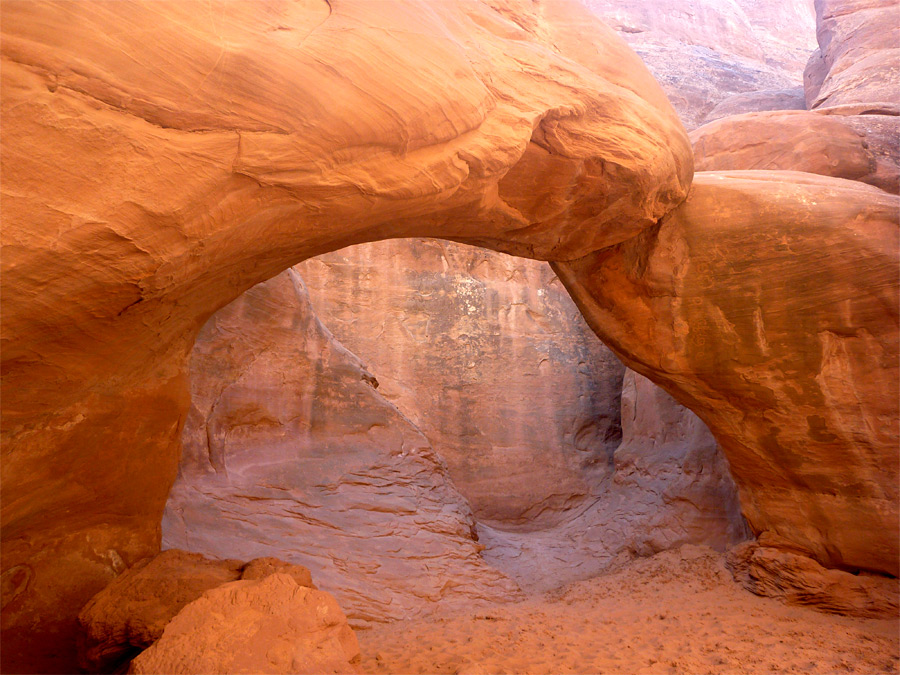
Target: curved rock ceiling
pixel 160 158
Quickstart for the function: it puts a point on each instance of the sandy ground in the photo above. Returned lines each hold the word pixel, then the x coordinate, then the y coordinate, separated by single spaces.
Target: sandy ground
pixel 677 612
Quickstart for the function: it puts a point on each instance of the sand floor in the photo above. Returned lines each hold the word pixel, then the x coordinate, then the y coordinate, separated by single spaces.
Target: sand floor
pixel 677 612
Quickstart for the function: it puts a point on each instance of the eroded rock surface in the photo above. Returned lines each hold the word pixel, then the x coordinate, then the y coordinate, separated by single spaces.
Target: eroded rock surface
pixel 798 580
pixel 755 101
pixel 272 625
pixel 290 451
pixel 768 304
pixel 160 159
pixel 489 357
pixel 131 613
pixel 859 147
pixel 668 486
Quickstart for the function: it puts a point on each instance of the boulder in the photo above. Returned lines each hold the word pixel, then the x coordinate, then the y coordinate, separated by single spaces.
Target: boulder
pixel 271 625
pixel 131 613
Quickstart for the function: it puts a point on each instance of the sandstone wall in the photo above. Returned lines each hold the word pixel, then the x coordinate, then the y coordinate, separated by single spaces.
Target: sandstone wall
pixel 490 358
pixel 707 53
pixel 291 452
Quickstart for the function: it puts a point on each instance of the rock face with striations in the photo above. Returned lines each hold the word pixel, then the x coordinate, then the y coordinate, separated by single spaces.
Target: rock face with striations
pixel 287 440
pixel 859 47
pixel 830 142
pixel 149 181
pixel 667 485
pixel 489 357
pixel 708 53
pixel 291 452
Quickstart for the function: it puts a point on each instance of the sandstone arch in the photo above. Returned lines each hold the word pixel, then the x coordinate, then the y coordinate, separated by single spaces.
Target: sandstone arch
pixel 161 158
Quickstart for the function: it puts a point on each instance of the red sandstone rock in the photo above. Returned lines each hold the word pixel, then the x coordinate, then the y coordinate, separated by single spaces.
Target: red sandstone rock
pixel 260 568
pixel 290 451
pixel 858 147
pixel 859 47
pixel 271 625
pixel 490 359
pixel 768 304
pixel 148 181
pixel 131 613
pixel 799 580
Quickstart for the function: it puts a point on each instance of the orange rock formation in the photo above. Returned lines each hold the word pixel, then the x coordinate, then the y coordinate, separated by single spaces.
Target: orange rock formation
pixel 160 158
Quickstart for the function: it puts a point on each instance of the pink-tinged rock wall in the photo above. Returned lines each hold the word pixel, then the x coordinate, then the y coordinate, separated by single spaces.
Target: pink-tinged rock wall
pixel 668 485
pixel 550 507
pixel 291 452
pixel 707 53
pixel 491 360
pixel 859 47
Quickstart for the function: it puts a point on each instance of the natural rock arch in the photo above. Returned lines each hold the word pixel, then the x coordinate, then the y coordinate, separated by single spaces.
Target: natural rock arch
pixel 163 158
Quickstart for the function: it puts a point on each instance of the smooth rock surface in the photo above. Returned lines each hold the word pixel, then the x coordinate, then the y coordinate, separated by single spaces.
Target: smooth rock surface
pixel 490 359
pixel 159 159
pixel 291 451
pixel 272 625
pixel 768 304
pixel 858 147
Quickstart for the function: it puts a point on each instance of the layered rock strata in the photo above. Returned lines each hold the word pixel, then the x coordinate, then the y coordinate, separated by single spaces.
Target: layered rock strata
pixel 291 451
pixel 488 356
pixel 160 159
pixel 837 142
pixel 668 485
pixel 856 61
pixel 774 570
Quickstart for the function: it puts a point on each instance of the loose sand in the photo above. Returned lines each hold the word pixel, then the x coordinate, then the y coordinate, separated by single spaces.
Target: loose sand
pixel 677 612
